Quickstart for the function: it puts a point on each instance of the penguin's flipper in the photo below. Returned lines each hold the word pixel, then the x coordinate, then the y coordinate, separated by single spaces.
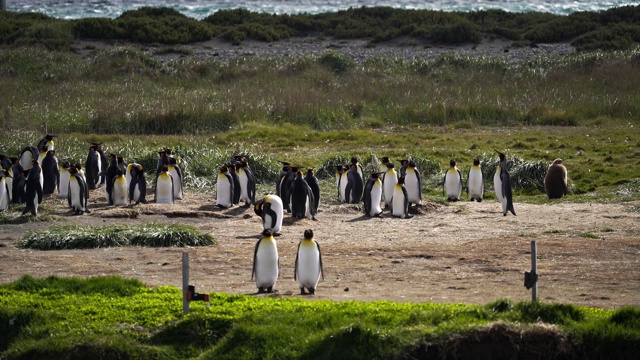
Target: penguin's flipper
pixel 444 183
pixel 255 258
pixel 295 267
pixel 460 182
pixel 419 183
pixel 320 258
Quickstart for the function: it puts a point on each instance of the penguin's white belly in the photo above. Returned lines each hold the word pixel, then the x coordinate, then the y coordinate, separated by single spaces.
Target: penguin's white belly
pixel 497 186
pixel 177 184
pixel 390 181
pixel 244 186
pixel 119 192
pixel 4 195
pixel 398 203
pixel 475 184
pixel 266 265
pixel 278 209
pixel 452 185
pixel 343 187
pixel 164 192
pixel 413 188
pixel 74 193
pixel 63 187
pixel 9 187
pixel 376 198
pixel 223 192
pixel 308 267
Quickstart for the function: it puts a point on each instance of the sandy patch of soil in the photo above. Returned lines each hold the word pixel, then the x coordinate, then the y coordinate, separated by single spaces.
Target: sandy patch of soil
pixel 465 252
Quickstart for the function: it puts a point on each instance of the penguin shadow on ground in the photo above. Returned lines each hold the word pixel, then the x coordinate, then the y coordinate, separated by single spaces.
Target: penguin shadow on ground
pixel 365 218
pixel 237 210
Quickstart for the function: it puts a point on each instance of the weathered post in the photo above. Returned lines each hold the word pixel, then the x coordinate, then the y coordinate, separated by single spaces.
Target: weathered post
pixel 185 283
pixel 534 271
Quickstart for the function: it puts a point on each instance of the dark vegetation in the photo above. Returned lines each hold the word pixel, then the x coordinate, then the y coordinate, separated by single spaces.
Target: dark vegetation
pixel 613 29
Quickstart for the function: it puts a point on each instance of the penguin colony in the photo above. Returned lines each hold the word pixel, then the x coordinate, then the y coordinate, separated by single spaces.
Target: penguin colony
pixel 36 172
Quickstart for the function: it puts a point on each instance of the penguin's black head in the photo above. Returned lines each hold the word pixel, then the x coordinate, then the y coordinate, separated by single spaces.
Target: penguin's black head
pixel 267 233
pixel 476 161
pixel 224 169
pixel 375 175
pixel 390 165
pixel 308 234
pixel 503 157
pixel 354 159
pixel 403 162
pixel 50 137
pixel 401 180
pixel 452 163
pixel 78 166
pixel 412 163
pixel 66 165
pixel 310 172
pixel 73 170
pixel 385 159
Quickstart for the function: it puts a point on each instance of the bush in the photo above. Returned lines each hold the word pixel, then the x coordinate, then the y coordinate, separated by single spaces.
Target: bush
pixel 336 62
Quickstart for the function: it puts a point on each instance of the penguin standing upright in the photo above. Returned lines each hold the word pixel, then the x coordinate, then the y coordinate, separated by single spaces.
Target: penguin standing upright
pixel 46 143
pixel 284 189
pixel 383 164
pixel 7 164
pixel 266 265
pixel 271 211
pixel 4 190
pixel 78 192
pixel 163 159
pixel 308 265
pixel 63 185
pixel 119 190
pixel 413 183
pixel 28 154
pixel 137 184
pixel 111 173
pixel 389 182
pixel 301 198
pixel 404 164
pixel 342 180
pixel 285 170
pixel 33 189
pixel 50 173
pixel 355 185
pixel 555 181
pixel 313 183
pixel 247 183
pixel 503 185
pixel 452 186
pixel 176 174
pixel 224 188
pixel 475 182
pixel 400 202
pixel 104 163
pixel 164 187
pixel 93 166
pixel 19 196
pixel 236 183
pixel 373 195
pixel 356 162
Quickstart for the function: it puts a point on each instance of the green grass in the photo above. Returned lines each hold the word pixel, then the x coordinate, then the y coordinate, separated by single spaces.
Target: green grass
pixel 148 234
pixel 111 317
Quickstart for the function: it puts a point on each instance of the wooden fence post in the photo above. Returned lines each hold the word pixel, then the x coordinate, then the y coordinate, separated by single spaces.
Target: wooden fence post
pixel 185 283
pixel 534 271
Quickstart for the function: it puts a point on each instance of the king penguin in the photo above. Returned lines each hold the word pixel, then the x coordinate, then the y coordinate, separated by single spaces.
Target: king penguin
pixel 164 187
pixel 104 163
pixel 555 181
pixel 313 183
pixel 373 195
pixel 50 173
pixel 46 143
pixel 356 162
pixel 308 265
pixel 236 182
pixel 7 164
pixel 452 186
pixel 78 192
pixel 137 184
pixel 112 172
pixel 355 185
pixel 301 198
pixel 224 188
pixel 342 180
pixel 28 154
pixel 247 183
pixel 475 182
pixel 176 174
pixel 33 189
pixel 93 166
pixel 413 183
pixel 19 195
pixel 400 203
pixel 271 211
pixel 119 190
pixel 389 182
pixel 63 185
pixel 502 185
pixel 4 190
pixel 266 265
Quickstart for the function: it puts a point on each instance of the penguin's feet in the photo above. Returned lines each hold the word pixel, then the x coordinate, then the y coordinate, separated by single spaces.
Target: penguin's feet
pixel 87 211
pixel 472 199
pixel 408 216
pixel 261 290
pixel 302 292
pixel 479 199
pixel 270 289
pixel 312 291
pixel 313 217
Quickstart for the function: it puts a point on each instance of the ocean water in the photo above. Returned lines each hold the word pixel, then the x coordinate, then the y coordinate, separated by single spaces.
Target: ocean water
pixel 75 9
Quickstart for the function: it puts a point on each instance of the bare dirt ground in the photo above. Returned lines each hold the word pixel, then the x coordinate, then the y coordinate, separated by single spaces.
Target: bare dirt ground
pixel 465 252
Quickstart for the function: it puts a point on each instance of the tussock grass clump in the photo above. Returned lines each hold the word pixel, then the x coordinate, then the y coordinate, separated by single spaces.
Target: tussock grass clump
pixel 150 234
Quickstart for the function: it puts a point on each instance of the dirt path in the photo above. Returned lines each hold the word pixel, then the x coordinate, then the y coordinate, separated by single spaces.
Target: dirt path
pixel 465 252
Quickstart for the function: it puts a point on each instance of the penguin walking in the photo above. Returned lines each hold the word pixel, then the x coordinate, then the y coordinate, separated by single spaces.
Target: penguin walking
pixel 78 192
pixel 389 182
pixel 176 174
pixel 355 185
pixel 164 187
pixel 104 163
pixel 63 185
pixel 247 183
pixel 413 183
pixel 33 189
pixel 502 185
pixel 266 265
pixel 314 185
pixel 475 182
pixel 137 184
pixel 308 265
pixel 555 181
pixel 4 190
pixel 119 190
pixel 301 198
pixel 224 189
pixel 271 211
pixel 50 173
pixel 400 202
pixel 373 195
pixel 452 186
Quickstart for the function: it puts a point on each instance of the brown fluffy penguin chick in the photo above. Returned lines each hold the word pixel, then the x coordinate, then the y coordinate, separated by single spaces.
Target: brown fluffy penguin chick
pixel 555 182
